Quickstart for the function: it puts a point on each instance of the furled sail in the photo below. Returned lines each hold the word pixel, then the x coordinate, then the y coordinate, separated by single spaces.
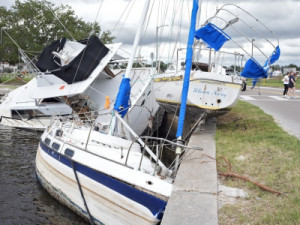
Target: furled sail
pixel 123 98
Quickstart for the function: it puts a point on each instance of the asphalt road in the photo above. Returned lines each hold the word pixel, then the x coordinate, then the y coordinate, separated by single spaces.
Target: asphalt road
pixel 286 112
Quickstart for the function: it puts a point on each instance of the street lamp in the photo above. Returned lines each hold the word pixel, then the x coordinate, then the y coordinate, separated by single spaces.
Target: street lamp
pixel 165 25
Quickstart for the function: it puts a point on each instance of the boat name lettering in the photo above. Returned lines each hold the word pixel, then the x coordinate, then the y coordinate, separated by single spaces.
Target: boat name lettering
pixel 165 79
pixel 200 91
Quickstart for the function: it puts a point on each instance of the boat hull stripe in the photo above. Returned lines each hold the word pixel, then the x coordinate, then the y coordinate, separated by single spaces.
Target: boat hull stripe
pixel 154 204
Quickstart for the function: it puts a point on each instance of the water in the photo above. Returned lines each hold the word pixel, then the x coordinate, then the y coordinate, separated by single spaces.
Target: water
pixel 22 199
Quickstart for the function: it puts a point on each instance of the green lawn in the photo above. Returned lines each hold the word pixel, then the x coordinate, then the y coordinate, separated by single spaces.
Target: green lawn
pixel 270 82
pixel 12 81
pixel 272 157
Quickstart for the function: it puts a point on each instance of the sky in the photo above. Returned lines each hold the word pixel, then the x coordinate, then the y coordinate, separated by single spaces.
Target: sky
pixel 121 17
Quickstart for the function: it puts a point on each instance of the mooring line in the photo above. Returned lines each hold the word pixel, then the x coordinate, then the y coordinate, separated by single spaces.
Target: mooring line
pixel 81 193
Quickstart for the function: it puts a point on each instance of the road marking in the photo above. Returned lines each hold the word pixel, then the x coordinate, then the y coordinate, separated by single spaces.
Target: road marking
pixel 279 98
pixel 246 97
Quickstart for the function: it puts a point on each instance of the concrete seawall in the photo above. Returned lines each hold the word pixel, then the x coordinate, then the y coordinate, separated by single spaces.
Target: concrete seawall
pixel 194 196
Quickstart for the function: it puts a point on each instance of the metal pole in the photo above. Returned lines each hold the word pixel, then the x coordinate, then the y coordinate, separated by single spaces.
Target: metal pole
pixel 252 47
pixel 156 39
pixel 137 39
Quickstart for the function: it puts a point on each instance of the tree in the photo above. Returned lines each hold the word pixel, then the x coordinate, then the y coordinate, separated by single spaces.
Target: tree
pixel 35 24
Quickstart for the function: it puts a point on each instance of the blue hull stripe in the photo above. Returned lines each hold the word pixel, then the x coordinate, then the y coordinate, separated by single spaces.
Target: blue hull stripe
pixel 155 205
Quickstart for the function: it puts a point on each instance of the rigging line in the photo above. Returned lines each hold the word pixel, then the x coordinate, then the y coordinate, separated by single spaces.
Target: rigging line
pixel 145 28
pixel 100 6
pixel 129 2
pixel 178 36
pixel 133 1
pixel 94 89
pixel 175 10
pixel 60 23
pixel 199 14
pixel 171 35
pixel 180 26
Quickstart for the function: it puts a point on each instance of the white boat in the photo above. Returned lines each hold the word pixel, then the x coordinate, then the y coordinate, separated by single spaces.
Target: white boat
pixel 211 89
pixel 216 80
pixel 60 87
pixel 97 166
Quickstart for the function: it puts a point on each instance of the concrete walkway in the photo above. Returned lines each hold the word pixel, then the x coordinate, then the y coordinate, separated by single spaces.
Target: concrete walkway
pixel 194 197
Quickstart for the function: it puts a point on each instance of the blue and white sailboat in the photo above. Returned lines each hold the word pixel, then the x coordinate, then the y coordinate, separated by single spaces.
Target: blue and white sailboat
pixel 99 166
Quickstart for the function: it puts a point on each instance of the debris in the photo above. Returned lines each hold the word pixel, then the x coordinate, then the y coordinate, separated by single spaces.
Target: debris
pixel 231 174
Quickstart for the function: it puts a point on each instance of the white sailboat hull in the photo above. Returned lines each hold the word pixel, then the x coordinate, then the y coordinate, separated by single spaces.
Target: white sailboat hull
pixel 209 92
pixel 113 192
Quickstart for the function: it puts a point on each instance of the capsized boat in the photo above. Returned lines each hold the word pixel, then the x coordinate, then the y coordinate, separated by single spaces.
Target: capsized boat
pixel 31 105
pixel 72 77
pixel 217 75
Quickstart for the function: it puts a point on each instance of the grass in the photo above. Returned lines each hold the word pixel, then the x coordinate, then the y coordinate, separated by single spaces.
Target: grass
pixel 272 157
pixel 11 82
pixel 270 82
pixel 14 80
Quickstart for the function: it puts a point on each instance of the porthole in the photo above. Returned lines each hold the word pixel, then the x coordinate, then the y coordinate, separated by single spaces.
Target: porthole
pixel 47 141
pixel 58 133
pixel 69 153
pixel 55 146
pixel 149 182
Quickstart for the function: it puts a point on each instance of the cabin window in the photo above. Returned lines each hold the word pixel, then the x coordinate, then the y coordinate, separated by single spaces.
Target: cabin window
pixel 25 114
pixel 55 146
pixel 69 153
pixel 58 133
pixel 47 141
pixel 50 100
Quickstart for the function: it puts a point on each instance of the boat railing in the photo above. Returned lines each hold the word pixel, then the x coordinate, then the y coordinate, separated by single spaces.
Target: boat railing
pixel 19 122
pixel 154 150
pixel 215 61
pixel 249 28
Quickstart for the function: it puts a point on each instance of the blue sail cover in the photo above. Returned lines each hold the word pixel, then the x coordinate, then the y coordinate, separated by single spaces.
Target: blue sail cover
pixel 275 55
pixel 253 70
pixel 123 102
pixel 273 58
pixel 188 66
pixel 212 35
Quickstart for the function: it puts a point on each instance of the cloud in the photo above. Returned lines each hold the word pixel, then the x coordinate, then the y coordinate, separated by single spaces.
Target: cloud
pixel 122 17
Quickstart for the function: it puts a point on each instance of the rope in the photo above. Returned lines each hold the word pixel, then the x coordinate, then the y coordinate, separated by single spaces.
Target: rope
pixel 81 193
pixel 61 23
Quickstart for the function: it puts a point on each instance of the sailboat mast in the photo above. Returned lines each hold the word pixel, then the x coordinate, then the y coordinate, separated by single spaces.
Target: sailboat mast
pixel 188 66
pixel 186 81
pixel 137 38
